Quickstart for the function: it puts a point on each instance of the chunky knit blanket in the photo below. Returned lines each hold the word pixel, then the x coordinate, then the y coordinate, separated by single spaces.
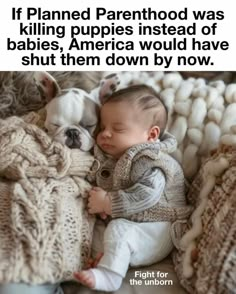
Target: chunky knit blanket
pixel 45 231
pixel 206 259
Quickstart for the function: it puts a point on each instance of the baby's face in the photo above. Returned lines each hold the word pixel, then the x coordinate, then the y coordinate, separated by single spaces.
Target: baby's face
pixel 122 126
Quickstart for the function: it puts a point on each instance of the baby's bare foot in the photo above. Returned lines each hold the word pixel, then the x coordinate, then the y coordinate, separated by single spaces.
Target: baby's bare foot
pixel 86 278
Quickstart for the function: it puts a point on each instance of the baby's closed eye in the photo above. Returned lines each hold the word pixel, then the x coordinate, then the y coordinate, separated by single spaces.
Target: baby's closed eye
pixel 119 130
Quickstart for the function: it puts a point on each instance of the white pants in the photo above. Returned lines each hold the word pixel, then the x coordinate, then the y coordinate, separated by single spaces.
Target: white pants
pixel 127 243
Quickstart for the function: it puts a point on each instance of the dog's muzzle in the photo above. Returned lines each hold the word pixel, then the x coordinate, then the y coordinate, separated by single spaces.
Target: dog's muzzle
pixel 74 137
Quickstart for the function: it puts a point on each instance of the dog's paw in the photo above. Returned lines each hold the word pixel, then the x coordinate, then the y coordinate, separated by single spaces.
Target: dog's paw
pixel 108 85
pixel 112 81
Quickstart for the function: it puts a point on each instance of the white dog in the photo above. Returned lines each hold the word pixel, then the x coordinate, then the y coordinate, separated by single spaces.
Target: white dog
pixel 72 114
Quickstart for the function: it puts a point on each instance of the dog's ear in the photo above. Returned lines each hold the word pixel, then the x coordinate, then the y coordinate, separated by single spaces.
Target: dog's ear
pixel 107 86
pixel 46 85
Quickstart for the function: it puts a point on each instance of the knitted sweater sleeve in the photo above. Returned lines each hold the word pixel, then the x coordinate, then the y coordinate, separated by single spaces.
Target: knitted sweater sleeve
pixel 139 197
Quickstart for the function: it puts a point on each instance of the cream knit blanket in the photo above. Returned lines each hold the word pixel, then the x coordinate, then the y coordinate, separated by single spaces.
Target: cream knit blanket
pixel 45 232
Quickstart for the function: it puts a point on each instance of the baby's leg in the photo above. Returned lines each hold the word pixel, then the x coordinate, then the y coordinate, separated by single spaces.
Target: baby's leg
pixel 21 288
pixel 153 243
pixel 127 243
pixel 114 263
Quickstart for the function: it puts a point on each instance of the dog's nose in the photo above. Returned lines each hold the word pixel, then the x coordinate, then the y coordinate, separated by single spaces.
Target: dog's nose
pixel 73 138
pixel 72 133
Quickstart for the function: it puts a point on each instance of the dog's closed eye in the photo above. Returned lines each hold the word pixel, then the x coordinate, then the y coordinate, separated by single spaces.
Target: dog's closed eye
pixel 52 127
pixel 90 126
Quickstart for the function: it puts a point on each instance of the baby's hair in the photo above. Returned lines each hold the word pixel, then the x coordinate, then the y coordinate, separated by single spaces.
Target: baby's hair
pixel 147 100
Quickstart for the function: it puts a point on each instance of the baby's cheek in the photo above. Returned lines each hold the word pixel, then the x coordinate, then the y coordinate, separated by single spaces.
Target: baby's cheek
pixel 98 138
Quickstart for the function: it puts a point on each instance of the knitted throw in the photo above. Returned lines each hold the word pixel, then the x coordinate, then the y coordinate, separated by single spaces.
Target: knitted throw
pixel 45 231
pixel 207 264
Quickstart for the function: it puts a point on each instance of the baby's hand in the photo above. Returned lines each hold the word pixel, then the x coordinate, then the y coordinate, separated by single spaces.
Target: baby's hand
pixel 98 201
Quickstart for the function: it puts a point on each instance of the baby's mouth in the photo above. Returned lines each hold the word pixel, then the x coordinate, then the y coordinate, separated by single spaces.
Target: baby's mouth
pixel 106 146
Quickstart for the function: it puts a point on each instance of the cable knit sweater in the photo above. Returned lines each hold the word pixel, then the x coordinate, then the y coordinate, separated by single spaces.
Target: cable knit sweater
pixel 45 230
pixel 145 183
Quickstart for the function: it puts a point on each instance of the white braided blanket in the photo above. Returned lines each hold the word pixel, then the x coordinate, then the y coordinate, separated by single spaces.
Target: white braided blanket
pixel 45 231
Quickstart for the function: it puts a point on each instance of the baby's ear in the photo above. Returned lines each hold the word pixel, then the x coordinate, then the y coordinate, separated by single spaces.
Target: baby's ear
pixel 47 85
pixel 108 85
pixel 153 134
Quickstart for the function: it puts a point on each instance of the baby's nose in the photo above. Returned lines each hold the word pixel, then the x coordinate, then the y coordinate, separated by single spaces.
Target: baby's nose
pixel 106 133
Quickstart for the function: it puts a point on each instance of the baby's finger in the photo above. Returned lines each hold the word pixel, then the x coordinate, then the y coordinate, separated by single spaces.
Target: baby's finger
pixel 89 263
pixel 91 192
pixel 96 188
pixel 97 259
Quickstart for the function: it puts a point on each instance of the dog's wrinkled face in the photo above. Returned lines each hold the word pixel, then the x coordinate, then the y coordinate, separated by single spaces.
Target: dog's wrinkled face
pixel 72 118
pixel 72 114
